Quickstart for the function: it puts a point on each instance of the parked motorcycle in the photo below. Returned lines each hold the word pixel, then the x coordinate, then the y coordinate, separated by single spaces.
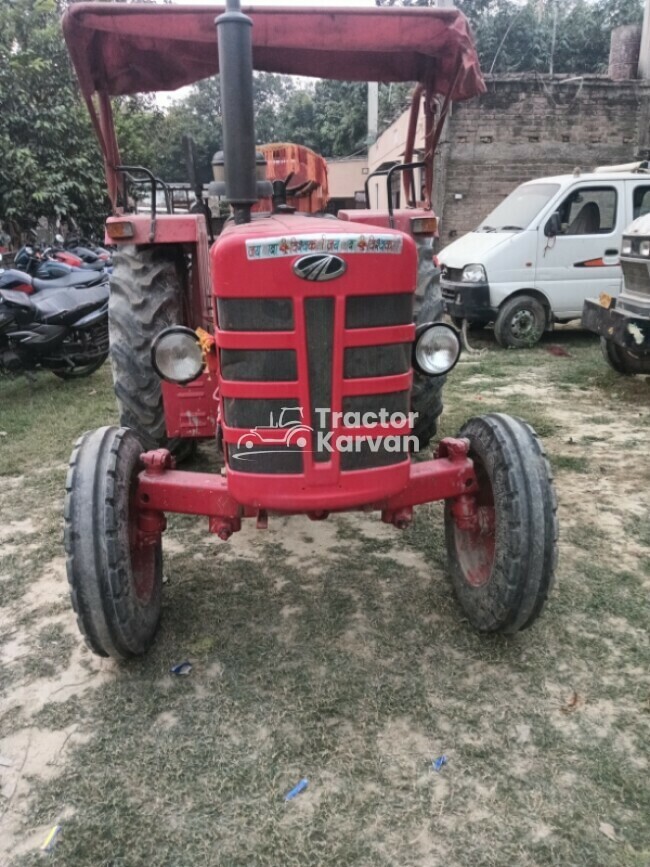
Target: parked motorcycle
pixel 42 262
pixel 21 281
pixel 86 251
pixel 34 271
pixel 63 330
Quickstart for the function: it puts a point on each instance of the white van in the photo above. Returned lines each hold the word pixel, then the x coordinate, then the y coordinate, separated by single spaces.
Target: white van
pixel 553 243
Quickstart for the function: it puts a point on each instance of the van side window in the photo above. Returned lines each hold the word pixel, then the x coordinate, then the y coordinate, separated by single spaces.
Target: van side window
pixel 589 211
pixel 641 203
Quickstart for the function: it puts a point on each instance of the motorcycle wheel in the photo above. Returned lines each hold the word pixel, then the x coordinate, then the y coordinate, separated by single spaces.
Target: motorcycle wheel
pixel 82 370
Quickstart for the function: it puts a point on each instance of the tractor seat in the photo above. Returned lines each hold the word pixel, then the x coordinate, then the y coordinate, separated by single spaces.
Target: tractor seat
pixel 73 279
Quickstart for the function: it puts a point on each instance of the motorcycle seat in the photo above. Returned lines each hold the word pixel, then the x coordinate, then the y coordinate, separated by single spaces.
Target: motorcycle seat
pixel 73 279
pixel 13 298
pixel 93 266
pixel 66 306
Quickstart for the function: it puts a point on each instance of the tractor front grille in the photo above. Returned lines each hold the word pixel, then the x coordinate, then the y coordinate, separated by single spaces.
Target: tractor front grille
pixel 323 356
pixel 636 276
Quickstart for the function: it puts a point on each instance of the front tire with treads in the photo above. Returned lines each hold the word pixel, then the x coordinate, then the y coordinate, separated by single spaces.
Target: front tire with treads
pixel 624 361
pixel 503 567
pixel 146 297
pixel 115 579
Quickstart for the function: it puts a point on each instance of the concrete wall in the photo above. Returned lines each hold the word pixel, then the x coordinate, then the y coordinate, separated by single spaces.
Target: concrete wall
pixel 524 128
pixel 346 176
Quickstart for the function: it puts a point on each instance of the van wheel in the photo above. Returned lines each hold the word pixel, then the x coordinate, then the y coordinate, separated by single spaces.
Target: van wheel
pixel 623 361
pixel 520 323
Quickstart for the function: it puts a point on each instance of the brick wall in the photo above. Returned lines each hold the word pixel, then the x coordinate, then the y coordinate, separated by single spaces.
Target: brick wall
pixel 525 128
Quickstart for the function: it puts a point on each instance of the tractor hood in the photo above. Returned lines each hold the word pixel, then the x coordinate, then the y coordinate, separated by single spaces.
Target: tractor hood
pixel 127 48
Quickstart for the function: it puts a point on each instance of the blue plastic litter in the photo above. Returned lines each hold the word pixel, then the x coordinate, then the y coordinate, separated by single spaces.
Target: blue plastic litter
pixel 438 764
pixel 302 785
pixel 183 668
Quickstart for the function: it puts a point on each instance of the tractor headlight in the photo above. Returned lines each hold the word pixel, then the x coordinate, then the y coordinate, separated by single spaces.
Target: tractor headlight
pixel 644 249
pixel 474 274
pixel 437 349
pixel 177 356
pixel 627 247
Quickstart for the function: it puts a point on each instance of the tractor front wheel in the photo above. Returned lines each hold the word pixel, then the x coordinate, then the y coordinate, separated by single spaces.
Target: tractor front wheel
pixel 502 559
pixel 623 360
pixel 115 577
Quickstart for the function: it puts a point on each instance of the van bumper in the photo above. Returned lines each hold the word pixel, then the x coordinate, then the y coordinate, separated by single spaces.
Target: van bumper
pixel 625 329
pixel 469 301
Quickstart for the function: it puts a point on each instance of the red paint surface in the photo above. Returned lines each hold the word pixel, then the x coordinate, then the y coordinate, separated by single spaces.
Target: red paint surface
pixel 401 218
pixel 134 48
pixel 322 485
pixel 211 495
pixel 169 228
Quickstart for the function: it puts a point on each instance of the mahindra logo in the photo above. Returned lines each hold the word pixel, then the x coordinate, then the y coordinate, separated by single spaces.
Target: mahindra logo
pixel 320 267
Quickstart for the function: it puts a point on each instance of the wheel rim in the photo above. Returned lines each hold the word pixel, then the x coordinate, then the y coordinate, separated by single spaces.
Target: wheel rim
pixel 523 324
pixel 475 548
pixel 143 560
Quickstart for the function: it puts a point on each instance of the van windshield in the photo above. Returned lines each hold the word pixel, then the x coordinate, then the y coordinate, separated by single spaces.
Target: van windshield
pixel 521 207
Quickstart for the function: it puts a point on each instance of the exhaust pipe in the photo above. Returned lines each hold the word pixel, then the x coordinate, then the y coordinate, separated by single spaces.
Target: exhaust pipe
pixel 235 43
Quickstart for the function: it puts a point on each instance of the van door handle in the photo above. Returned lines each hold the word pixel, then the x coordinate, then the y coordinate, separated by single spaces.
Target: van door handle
pixel 611 252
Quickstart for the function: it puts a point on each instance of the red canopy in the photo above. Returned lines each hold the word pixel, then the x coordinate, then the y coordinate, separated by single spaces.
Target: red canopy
pixel 133 48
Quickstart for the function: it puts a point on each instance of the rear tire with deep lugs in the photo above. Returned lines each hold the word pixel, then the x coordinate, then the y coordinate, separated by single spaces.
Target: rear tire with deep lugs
pixel 147 287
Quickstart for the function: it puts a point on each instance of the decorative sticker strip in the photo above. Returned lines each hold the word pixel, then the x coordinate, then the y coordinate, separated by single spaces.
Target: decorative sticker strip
pixel 275 248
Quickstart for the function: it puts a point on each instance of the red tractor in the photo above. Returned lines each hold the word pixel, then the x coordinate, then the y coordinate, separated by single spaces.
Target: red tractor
pixel 331 321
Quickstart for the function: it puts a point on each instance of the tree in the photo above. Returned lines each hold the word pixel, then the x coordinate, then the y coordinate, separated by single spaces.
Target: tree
pixel 524 37
pixel 50 163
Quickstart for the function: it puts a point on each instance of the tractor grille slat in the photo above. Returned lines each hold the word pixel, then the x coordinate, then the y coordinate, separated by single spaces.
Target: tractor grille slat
pixel 255 314
pixel 371 361
pixel 319 331
pixel 637 277
pixel 249 365
pixel 377 311
pixel 325 348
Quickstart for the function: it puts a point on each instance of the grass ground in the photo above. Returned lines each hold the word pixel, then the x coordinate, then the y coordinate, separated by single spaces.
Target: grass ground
pixel 336 651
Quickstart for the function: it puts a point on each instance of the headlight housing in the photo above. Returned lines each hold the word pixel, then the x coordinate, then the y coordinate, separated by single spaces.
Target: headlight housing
pixel 626 249
pixel 474 274
pixel 177 356
pixel 437 349
pixel 644 249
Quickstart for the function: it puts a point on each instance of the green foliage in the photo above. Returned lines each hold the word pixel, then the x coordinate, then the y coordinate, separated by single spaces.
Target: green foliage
pixel 50 163
pixel 525 37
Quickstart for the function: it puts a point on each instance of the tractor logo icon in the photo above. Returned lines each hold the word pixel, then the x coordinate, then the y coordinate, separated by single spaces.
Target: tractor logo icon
pixel 295 433
pixel 320 268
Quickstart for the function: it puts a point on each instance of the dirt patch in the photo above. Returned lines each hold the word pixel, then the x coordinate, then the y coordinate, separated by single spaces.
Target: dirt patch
pixel 336 651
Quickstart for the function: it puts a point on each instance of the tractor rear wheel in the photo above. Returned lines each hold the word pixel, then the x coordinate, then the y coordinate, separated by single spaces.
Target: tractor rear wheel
pixel 623 360
pixel 503 567
pixel 146 297
pixel 426 401
pixel 426 394
pixel 115 580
